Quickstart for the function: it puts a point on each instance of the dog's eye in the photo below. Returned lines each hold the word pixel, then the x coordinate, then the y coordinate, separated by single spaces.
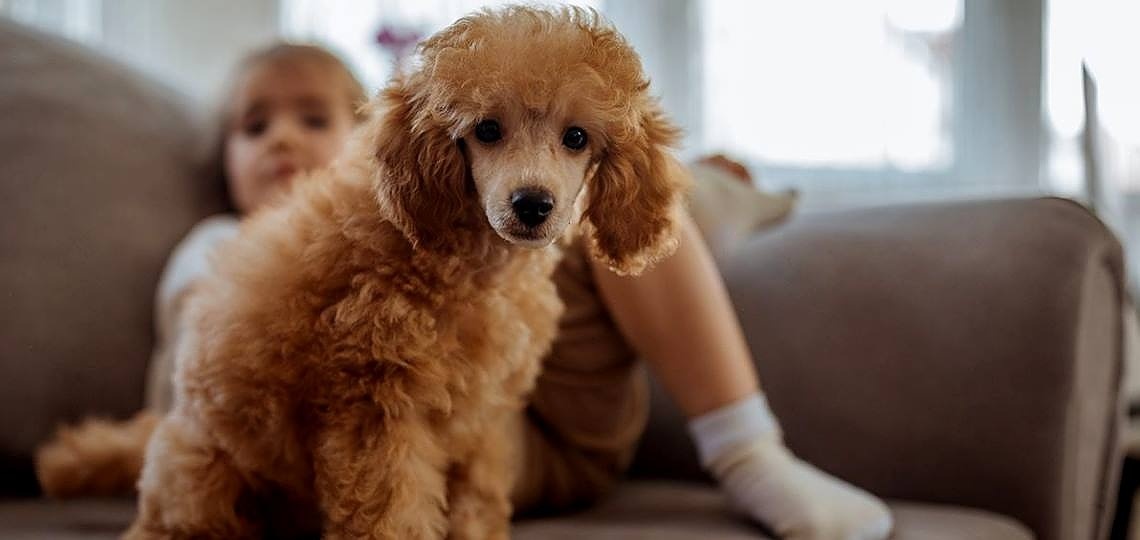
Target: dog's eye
pixel 574 138
pixel 488 131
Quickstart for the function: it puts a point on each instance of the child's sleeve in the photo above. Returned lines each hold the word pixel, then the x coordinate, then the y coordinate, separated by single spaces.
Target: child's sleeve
pixel 188 263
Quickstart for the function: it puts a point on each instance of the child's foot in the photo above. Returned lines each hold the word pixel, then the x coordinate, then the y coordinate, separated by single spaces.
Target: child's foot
pixel 794 499
pixel 740 445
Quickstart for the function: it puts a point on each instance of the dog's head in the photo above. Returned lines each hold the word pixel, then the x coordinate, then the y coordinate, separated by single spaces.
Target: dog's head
pixel 511 114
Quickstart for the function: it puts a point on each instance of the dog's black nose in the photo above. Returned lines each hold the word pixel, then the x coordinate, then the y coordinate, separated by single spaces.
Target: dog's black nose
pixel 532 205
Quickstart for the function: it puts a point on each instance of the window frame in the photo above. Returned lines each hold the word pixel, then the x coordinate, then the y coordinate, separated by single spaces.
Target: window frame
pixel 997 110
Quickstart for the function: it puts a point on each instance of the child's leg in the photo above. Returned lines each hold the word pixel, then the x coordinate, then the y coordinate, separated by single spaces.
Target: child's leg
pixel 577 438
pixel 589 404
pixel 679 317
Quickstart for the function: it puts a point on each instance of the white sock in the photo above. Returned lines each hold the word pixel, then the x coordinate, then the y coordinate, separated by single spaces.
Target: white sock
pixel 741 445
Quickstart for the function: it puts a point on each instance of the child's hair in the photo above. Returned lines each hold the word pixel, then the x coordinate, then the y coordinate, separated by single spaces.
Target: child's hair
pixel 215 166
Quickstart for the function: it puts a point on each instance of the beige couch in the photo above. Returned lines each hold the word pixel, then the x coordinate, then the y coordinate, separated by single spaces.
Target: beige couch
pixel 962 360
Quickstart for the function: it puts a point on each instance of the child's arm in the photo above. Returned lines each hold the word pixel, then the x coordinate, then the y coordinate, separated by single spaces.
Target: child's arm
pixel 678 316
pixel 187 264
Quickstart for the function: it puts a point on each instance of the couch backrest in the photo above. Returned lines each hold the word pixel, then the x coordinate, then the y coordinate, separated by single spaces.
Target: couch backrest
pixel 98 181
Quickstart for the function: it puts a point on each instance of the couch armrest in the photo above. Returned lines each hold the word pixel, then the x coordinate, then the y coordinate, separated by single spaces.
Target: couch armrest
pixel 965 353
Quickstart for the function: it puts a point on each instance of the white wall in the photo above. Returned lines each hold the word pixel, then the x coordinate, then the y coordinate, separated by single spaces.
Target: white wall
pixel 190 45
pixel 666 35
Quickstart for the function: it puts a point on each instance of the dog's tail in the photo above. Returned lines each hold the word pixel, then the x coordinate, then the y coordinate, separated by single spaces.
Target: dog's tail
pixel 97 457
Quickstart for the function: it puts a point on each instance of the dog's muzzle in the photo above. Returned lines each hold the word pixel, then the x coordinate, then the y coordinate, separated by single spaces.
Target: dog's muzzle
pixel 532 205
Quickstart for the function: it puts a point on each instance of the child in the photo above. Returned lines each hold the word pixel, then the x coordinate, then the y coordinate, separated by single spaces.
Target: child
pixel 291 109
pixel 288 109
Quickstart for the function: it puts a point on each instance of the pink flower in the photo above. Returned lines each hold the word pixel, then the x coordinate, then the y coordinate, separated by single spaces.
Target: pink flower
pixel 397 40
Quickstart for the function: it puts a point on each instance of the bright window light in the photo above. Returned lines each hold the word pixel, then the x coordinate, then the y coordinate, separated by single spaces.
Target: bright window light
pixel 1113 43
pixel 830 83
pixel 351 27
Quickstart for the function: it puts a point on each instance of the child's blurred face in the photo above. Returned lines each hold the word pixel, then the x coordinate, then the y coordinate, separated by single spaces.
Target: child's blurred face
pixel 287 117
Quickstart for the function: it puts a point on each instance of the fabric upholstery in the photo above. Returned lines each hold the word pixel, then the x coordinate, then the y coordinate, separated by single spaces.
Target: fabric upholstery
pixel 963 353
pixel 959 354
pixel 650 511
pixel 672 511
pixel 97 183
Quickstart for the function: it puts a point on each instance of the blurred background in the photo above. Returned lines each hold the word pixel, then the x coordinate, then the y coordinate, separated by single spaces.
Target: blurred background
pixel 851 103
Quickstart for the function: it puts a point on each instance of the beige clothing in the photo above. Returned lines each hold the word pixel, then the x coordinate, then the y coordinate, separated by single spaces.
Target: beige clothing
pixel 590 404
pixel 189 262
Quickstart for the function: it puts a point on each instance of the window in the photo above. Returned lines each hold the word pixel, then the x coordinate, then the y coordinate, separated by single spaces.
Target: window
pixel 830 83
pixel 1099 33
pixel 356 28
pixel 856 103
pixel 77 19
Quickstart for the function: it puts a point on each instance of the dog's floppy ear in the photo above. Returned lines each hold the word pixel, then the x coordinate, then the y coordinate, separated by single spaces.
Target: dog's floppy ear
pixel 635 195
pixel 422 176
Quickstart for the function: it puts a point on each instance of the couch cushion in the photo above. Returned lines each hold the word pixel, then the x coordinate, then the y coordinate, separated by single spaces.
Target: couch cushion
pixel 964 352
pixel 91 519
pixel 98 180
pixel 638 510
pixel 674 511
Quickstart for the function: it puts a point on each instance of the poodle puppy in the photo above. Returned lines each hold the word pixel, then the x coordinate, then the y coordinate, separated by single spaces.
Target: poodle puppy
pixel 361 348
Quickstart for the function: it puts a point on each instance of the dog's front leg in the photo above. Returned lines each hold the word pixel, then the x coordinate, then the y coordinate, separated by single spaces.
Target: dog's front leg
pixel 381 478
pixel 478 488
pixel 189 488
